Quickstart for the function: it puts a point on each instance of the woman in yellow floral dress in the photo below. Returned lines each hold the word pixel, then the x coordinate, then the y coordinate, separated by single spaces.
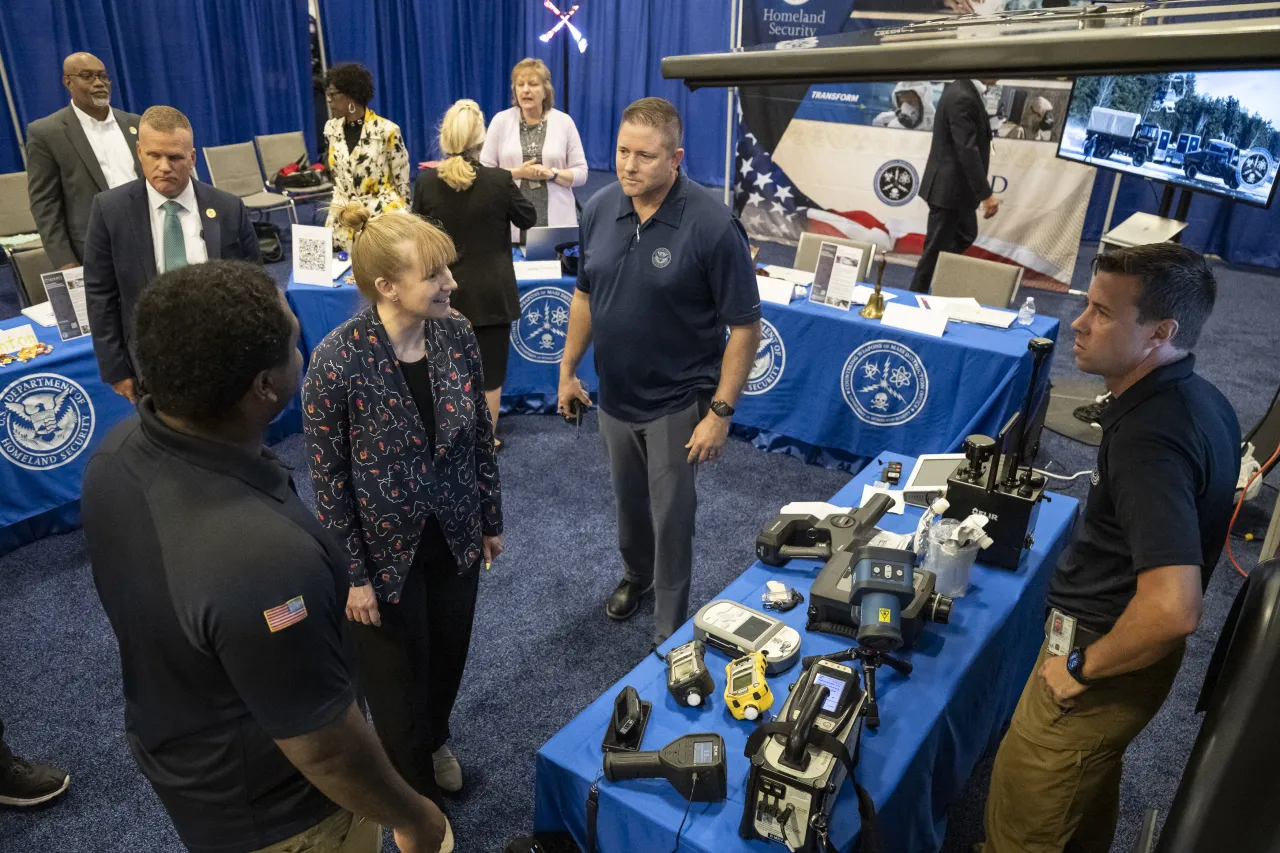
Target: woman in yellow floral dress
pixel 368 162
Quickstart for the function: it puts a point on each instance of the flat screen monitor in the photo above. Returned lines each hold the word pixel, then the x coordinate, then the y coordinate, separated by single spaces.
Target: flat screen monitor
pixel 1215 132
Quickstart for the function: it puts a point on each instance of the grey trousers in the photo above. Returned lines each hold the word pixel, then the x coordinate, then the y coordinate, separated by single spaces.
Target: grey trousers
pixel 653 486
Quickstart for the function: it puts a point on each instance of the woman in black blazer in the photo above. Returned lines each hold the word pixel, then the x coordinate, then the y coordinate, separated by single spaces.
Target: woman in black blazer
pixel 477 205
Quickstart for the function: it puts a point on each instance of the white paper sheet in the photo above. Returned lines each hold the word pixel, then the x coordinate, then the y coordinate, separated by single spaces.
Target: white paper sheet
pixel 775 290
pixel 912 319
pixel 966 309
pixel 869 492
pixel 537 270
pixel 862 293
pixel 12 340
pixel 313 255
pixel 818 509
pixel 42 314
pixel 788 274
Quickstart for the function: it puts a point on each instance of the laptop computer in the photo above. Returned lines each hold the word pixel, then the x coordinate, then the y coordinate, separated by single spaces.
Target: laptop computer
pixel 540 243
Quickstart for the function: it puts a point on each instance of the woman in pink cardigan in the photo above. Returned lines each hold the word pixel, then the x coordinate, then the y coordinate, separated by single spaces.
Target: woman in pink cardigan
pixel 539 145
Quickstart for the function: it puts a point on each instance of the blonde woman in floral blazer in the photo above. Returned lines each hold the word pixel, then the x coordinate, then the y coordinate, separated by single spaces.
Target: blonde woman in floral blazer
pixel 368 162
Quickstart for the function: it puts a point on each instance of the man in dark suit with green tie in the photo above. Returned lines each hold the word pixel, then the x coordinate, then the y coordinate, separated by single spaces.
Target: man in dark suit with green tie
pixel 143 228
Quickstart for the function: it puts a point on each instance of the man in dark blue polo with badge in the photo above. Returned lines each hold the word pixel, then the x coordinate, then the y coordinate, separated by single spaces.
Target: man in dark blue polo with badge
pixel 665 268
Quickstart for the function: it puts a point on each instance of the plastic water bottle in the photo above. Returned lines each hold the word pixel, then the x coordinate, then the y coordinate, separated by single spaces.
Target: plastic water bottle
pixel 1027 313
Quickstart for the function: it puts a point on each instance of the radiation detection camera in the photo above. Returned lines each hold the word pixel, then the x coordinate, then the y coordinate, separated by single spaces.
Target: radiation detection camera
pixel 738 631
pixel 693 764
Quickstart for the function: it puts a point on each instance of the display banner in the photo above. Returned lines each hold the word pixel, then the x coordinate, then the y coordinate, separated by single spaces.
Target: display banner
pixel 846 159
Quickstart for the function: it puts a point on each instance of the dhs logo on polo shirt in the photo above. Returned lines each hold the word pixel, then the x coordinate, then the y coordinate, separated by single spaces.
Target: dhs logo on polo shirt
pixel 885 383
pixel 771 360
pixel 540 333
pixel 661 257
pixel 47 420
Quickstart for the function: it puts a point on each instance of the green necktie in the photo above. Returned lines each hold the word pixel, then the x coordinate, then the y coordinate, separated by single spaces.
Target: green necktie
pixel 175 244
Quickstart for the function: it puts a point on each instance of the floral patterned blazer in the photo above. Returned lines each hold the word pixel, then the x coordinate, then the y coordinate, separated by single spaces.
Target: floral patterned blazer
pixel 375 173
pixel 378 476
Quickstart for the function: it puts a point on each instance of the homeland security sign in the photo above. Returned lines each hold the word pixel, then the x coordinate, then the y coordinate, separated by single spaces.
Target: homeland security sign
pixel 46 421
pixel 767 21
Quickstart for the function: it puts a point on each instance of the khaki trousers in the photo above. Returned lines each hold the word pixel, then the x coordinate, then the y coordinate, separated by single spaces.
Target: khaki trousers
pixel 1056 781
pixel 341 832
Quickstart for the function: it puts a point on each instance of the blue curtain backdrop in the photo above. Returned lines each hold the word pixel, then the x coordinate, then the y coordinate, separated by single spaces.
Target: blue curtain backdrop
pixel 237 68
pixel 426 54
pixel 626 43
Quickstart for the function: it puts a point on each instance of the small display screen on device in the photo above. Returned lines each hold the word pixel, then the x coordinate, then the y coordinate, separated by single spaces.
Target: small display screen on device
pixel 682 669
pixel 934 472
pixel 752 628
pixel 836 686
pixel 704 752
pixel 741 680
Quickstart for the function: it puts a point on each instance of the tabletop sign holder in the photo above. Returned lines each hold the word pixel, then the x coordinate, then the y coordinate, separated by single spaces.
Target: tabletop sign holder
pixel 65 289
pixel 313 255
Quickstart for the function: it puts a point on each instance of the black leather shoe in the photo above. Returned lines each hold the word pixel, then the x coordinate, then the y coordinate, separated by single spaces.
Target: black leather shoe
pixel 624 601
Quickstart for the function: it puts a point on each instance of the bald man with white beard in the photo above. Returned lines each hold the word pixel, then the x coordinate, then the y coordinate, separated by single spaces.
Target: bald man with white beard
pixel 81 150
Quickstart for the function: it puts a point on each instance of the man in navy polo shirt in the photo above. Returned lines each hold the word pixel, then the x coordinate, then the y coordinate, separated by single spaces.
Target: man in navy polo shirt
pixel 665 268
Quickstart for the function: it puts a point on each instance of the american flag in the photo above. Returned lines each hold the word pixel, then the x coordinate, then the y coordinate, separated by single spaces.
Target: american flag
pixel 772 208
pixel 769 205
pixel 293 610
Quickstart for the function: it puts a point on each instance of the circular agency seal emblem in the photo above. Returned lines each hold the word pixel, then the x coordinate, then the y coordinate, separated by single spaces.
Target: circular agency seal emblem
pixel 771 360
pixel 540 333
pixel 661 257
pixel 885 383
pixel 896 183
pixel 46 421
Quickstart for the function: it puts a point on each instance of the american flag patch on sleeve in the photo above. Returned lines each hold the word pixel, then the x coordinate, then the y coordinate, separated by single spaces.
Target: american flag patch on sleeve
pixel 293 610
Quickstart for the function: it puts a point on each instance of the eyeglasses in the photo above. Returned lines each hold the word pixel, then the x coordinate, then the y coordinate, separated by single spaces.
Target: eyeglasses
pixel 90 76
pixel 331 94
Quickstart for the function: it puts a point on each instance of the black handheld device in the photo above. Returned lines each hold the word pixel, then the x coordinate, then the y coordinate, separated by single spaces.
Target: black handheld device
pixel 627 725
pixel 688 679
pixel 693 764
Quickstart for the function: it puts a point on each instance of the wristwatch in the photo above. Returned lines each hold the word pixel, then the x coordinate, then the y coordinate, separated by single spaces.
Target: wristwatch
pixel 721 408
pixel 1075 666
pixel 555 174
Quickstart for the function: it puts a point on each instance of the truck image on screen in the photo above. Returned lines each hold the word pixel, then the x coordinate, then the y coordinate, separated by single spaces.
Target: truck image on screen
pixel 1116 131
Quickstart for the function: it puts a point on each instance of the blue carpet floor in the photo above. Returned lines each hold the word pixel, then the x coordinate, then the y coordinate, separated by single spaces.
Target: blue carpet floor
pixel 542 611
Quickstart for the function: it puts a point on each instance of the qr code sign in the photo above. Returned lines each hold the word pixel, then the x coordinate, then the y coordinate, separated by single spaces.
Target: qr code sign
pixel 313 255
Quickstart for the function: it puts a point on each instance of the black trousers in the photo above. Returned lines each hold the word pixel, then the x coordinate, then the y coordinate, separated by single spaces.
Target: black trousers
pixel 411 665
pixel 948 231
pixel 5 755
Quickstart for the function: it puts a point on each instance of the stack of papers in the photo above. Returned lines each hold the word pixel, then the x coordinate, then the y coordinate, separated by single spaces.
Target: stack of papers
pixel 912 319
pixel 42 314
pixel 788 274
pixel 966 309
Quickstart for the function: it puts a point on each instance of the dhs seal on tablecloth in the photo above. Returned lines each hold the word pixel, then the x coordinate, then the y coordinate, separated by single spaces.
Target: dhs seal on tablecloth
pixel 771 360
pixel 46 421
pixel 896 183
pixel 540 333
pixel 885 383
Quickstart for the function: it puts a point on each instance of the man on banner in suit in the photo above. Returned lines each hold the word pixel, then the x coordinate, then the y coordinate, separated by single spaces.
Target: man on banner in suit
pixel 79 151
pixel 955 177
pixel 162 222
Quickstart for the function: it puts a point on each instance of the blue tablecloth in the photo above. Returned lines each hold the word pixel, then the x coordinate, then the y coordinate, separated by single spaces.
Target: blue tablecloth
pixel 835 388
pixel 935 724
pixel 40 473
pixel 827 385
pixel 537 339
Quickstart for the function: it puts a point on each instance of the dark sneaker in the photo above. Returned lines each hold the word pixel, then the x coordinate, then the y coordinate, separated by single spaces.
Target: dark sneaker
pixel 1092 413
pixel 25 783
pixel 625 599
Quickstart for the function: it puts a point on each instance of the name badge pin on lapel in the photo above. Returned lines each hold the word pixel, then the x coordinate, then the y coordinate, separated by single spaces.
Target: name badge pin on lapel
pixel 134 131
pixel 211 213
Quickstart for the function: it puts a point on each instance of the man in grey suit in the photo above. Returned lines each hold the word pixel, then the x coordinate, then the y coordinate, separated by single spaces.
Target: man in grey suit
pixel 79 151
pixel 143 228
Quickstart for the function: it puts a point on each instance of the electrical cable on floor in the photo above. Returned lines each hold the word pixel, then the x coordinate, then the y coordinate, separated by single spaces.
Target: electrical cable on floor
pixel 1265 467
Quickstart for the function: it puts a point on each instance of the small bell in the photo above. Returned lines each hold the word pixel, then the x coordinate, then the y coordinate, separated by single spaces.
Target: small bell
pixel 874 309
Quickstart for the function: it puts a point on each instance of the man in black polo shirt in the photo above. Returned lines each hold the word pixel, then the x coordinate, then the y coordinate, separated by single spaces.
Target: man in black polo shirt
pixel 1128 590
pixel 227 597
pixel 665 268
